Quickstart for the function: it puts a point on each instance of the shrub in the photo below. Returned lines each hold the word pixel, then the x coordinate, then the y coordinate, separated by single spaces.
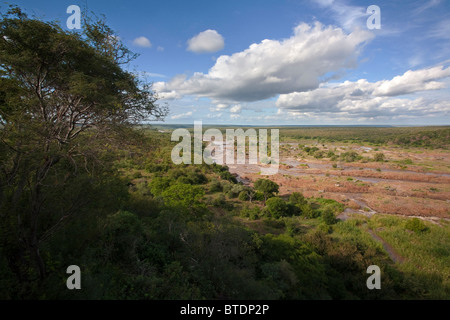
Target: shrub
pixel 183 195
pixel 243 196
pixel 219 201
pixel 297 198
pixel 319 154
pixel 416 225
pixel 157 167
pixel 252 213
pixel 267 187
pixel 159 184
pixel 137 175
pixel 379 157
pixel 308 212
pixel 215 186
pixel 350 156
pixel 277 207
pixel 328 216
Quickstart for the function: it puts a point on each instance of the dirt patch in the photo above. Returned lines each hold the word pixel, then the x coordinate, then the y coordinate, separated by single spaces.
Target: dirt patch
pixel 412 182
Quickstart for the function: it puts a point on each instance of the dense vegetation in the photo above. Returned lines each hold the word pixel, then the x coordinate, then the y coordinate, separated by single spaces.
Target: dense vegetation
pixel 161 231
pixel 110 200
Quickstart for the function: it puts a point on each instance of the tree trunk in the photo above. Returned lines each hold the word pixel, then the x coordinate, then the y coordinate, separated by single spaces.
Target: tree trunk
pixel 39 262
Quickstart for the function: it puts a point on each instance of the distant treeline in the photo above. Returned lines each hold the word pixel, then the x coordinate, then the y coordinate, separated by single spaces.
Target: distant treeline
pixel 428 137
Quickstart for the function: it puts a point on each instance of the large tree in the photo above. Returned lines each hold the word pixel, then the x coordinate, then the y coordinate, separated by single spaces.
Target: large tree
pixel 267 187
pixel 64 97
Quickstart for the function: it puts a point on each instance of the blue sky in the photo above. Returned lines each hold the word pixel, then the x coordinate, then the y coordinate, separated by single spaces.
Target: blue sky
pixel 267 62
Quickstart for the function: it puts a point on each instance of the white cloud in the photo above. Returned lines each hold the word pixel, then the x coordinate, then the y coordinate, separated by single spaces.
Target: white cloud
pixel 349 17
pixel 214 115
pixel 363 98
pixel 142 42
pixel 413 81
pixel 206 42
pixel 182 115
pixel 236 108
pixel 221 106
pixel 274 67
pixel 151 74
pixel 160 49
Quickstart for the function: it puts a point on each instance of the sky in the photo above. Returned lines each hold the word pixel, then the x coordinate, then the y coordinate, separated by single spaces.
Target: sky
pixel 288 62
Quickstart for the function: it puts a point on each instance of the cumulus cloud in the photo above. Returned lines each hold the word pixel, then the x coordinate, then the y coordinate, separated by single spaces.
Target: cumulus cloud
pixel 412 81
pixel 207 41
pixel 372 99
pixel 274 67
pixel 142 42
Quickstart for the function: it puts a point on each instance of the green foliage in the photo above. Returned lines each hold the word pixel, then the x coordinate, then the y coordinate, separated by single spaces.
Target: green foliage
pixel 322 205
pixel 58 207
pixel 183 195
pixel 350 156
pixel 219 201
pixel 416 225
pixel 436 137
pixel 277 208
pixel 379 157
pixel 122 234
pixel 243 196
pixel 251 212
pixel 215 186
pixel 319 154
pixel 296 198
pixel 328 216
pixel 266 187
pixel 157 167
pixel 159 184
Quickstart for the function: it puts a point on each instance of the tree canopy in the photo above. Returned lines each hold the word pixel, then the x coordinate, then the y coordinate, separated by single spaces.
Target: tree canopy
pixel 64 97
pixel 267 187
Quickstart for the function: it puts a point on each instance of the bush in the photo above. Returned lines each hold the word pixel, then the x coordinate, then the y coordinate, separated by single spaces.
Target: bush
pixel 157 167
pixel 252 213
pixel 183 195
pixel 137 175
pixel 350 156
pixel 197 177
pixel 308 212
pixel 277 207
pixel 259 196
pixel 328 216
pixel 297 198
pixel 319 154
pixel 226 175
pixel 267 187
pixel 234 191
pixel 219 201
pixel 215 186
pixel 379 157
pixel 121 234
pixel 416 225
pixel 243 196
pixel 159 184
